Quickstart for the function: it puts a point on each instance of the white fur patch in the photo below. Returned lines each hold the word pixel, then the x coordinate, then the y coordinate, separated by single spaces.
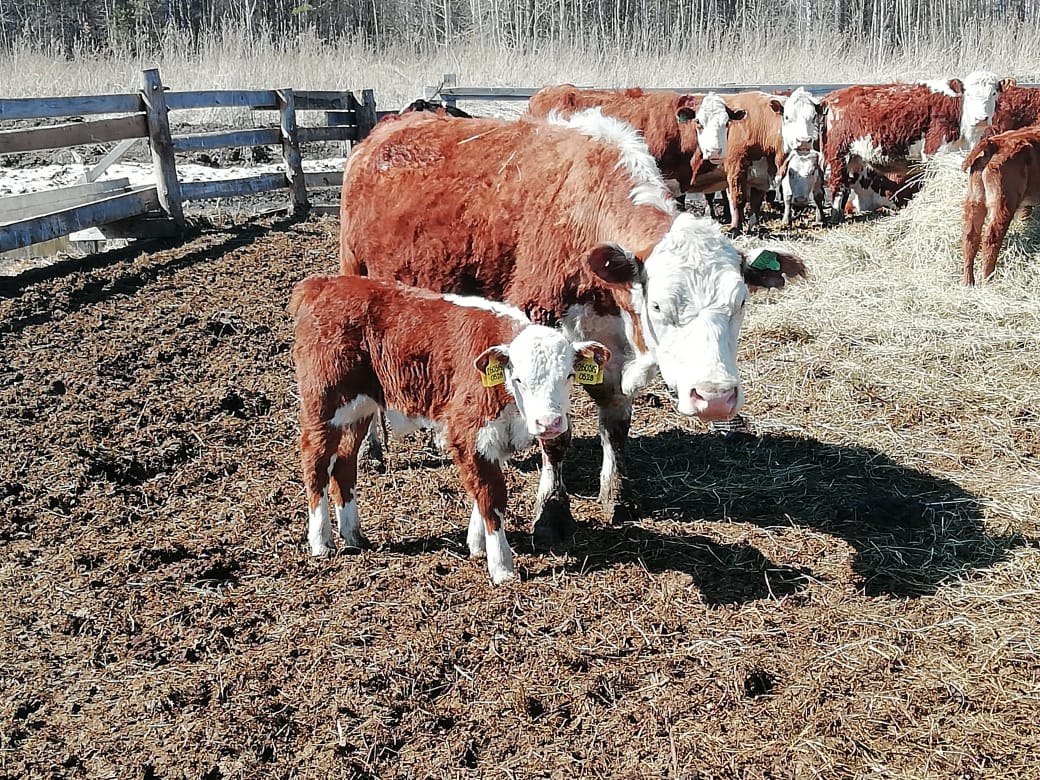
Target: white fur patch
pixel 503 436
pixel 501 309
pixel 356 409
pixel 319 527
pixel 941 86
pixel 499 556
pixel 476 535
pixel 870 152
pixel 347 522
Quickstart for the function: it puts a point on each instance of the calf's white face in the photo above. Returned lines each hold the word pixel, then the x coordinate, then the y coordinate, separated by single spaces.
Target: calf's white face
pixel 689 297
pixel 712 117
pixel 804 175
pixel 979 103
pixel 539 367
pixel 801 121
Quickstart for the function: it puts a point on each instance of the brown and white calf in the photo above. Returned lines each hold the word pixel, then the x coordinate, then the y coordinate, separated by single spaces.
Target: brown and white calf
pixel 680 130
pixel 480 373
pixel 888 127
pixel 570 221
pixel 801 183
pixel 1016 107
pixel 1003 177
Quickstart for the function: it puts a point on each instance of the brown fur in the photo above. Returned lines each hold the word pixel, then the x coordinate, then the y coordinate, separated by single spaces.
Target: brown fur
pixel 1017 107
pixel 672 143
pixel 895 116
pixel 1003 176
pixel 407 349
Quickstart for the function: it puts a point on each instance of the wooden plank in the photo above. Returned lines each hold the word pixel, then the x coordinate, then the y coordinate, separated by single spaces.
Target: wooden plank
pixel 73 134
pixel 260 137
pixel 64 221
pixel 366 113
pixel 325 209
pixel 40 108
pixel 341 118
pixel 18 207
pixel 339 133
pixel 227 188
pixel 145 226
pixel 159 139
pixel 291 151
pixel 219 98
pixel 318 100
pixel 316 179
pixel 116 153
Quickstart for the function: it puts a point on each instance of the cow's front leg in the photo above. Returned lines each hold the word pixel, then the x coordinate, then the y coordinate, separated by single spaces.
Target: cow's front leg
pixel 615 418
pixel 738 195
pixel 486 484
pixel 788 211
pixel 553 522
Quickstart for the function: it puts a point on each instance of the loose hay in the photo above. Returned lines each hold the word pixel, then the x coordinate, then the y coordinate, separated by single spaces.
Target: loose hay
pixel 851 594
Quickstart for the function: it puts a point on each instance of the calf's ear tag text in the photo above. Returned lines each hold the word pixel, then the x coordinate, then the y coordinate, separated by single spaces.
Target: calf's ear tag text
pixel 494 374
pixel 588 372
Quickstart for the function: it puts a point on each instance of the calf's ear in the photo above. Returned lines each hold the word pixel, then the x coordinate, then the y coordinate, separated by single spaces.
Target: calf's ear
pixel 777 105
pixel 498 353
pixel 1005 83
pixel 770 268
pixel 592 350
pixel 735 114
pixel 957 86
pixel 613 264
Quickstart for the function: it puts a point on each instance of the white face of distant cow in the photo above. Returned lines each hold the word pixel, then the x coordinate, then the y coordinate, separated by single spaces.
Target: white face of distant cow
pixel 539 368
pixel 801 123
pixel 712 117
pixel 980 101
pixel 689 297
pixel 803 175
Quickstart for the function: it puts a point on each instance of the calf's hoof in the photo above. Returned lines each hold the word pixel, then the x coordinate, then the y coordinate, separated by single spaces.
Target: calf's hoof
pixel 555 525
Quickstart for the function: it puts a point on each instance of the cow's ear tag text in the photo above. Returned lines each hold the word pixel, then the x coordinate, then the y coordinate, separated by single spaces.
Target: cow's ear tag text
pixel 494 374
pixel 588 372
pixel 766 261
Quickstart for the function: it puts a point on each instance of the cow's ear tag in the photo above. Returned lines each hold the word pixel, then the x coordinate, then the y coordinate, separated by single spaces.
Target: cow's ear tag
pixel 766 261
pixel 494 374
pixel 588 372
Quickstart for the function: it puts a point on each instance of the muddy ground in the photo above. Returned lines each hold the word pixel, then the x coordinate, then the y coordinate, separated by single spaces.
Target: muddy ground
pixel 783 607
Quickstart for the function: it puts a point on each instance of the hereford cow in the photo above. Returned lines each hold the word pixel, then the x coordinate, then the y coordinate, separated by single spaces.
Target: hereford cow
pixel 881 126
pixel 1003 177
pixel 680 130
pixel 774 125
pixel 801 183
pixel 1017 107
pixel 433 107
pixel 479 372
pixel 569 220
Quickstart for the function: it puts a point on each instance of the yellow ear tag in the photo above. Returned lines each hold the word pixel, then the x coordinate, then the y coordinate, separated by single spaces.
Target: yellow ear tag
pixel 494 374
pixel 588 372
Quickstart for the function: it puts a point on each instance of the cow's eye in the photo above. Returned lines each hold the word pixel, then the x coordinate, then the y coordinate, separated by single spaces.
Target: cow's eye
pixel 570 375
pixel 656 307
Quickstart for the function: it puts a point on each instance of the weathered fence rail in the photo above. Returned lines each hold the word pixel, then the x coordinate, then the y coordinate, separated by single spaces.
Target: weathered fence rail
pixel 121 210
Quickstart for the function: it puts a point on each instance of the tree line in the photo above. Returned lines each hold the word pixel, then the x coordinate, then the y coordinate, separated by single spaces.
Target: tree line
pixel 70 26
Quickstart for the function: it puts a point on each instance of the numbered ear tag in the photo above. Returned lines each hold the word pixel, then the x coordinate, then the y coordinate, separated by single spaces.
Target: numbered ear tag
pixel 494 374
pixel 588 372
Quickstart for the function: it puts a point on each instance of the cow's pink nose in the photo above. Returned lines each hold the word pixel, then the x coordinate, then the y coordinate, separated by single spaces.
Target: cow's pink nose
pixel 714 404
pixel 549 425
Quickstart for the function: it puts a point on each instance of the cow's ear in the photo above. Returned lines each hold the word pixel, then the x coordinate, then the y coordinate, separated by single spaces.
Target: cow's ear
pixel 591 350
pixel 777 105
pixel 498 354
pixel 957 86
pixel 735 114
pixel 686 108
pixel 613 264
pixel 1006 83
pixel 770 268
pixel 821 108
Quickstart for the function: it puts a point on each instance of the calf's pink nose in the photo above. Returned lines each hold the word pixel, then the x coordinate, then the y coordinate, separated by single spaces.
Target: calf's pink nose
pixel 551 423
pixel 717 405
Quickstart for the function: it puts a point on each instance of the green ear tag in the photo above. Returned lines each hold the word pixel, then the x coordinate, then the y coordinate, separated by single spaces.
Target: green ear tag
pixel 494 374
pixel 766 261
pixel 588 372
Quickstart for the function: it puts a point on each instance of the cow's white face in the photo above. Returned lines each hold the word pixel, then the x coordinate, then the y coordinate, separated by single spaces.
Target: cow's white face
pixel 980 101
pixel 711 116
pixel 539 368
pixel 690 300
pixel 803 176
pixel 801 123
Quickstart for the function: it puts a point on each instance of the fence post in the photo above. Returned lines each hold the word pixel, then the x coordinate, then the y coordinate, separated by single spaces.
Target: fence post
pixel 366 113
pixel 449 81
pixel 157 115
pixel 291 150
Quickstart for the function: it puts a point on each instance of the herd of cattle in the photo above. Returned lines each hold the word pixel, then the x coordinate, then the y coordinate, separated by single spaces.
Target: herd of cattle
pixel 486 264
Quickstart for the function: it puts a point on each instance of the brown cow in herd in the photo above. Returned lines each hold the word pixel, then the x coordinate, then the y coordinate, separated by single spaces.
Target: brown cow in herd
pixel 1003 177
pixel 480 373
pixel 570 221
pixel 680 130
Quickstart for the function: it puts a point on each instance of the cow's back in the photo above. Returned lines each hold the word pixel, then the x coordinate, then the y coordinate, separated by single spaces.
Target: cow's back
pixel 505 210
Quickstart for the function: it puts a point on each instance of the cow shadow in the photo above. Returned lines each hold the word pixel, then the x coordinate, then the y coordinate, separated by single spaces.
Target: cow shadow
pixel 911 531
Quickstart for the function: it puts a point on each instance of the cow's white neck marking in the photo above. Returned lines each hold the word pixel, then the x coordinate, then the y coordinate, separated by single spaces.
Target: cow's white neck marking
pixel 648 188
pixel 940 86
pixel 501 309
pixel 501 437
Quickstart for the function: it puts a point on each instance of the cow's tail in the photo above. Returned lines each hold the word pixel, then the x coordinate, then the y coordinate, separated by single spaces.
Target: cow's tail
pixel 979 156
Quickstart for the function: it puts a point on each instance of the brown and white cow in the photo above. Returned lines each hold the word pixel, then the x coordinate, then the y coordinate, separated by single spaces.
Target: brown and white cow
pixel 480 373
pixel 1016 107
pixel 680 130
pixel 1003 177
pixel 801 183
pixel 570 221
pixel 774 125
pixel 887 127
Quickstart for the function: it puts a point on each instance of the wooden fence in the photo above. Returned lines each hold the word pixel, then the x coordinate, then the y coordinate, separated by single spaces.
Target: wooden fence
pixel 157 209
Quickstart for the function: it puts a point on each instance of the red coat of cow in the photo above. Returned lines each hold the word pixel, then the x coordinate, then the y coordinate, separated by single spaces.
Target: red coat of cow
pixel 570 221
pixel 1003 176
